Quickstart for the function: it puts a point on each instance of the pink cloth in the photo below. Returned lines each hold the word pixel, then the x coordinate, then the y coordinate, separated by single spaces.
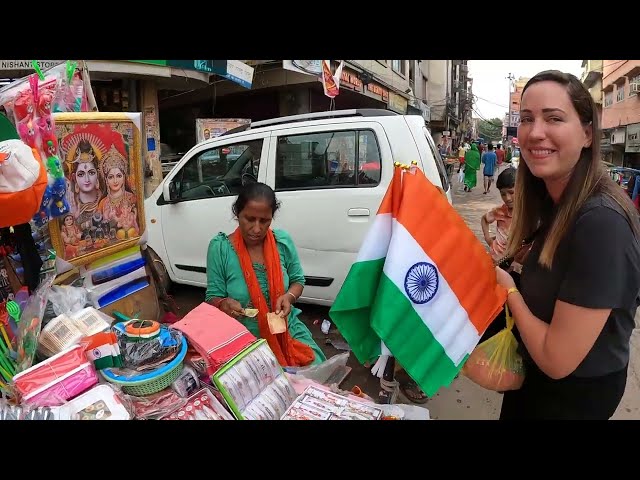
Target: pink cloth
pixel 214 335
pixel 57 379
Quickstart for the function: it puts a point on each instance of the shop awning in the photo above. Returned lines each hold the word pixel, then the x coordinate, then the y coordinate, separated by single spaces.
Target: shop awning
pixel 105 70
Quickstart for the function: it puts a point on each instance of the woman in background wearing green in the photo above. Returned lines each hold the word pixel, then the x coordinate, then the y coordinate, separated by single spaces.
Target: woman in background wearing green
pixel 471 167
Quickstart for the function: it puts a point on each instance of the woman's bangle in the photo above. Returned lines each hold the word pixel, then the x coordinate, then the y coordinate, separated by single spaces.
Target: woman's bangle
pixel 512 290
pixel 295 299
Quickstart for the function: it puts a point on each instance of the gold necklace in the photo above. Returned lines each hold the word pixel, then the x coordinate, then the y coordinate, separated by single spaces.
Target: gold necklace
pixel 117 201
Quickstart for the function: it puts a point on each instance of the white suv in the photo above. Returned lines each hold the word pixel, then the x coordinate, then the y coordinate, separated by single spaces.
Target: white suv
pixel 330 171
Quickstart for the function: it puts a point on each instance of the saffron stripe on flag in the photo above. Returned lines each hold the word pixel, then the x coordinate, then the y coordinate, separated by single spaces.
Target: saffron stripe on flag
pixel 452 254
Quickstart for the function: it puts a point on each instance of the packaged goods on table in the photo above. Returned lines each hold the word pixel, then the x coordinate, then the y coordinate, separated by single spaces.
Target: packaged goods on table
pixel 57 379
pixel 254 385
pixel 99 403
pixel 66 330
pixel 202 405
pixel 318 404
pixel 152 361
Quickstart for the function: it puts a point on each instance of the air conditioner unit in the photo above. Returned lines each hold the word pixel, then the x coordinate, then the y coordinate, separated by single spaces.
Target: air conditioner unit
pixel 634 88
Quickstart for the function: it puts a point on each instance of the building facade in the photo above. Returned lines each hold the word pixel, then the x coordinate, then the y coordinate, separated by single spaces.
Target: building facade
pixel 592 79
pixel 621 111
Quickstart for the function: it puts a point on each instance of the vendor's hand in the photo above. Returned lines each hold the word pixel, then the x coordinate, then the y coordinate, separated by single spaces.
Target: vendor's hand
pixel 489 240
pixel 504 278
pixel 283 305
pixel 232 307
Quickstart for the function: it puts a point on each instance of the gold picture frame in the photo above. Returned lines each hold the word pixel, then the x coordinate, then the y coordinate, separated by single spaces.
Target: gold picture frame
pixel 101 155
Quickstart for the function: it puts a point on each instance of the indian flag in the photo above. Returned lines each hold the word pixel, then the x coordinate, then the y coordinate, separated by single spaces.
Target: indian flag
pixel 423 286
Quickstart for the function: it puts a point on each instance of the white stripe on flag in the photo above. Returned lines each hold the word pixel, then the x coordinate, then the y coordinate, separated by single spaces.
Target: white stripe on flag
pixel 376 241
pixel 443 315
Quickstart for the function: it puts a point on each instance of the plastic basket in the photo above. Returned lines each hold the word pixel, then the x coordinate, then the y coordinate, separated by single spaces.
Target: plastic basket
pixel 151 382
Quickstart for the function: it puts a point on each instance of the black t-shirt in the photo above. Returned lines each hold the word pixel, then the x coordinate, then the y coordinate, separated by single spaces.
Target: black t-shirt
pixel 596 265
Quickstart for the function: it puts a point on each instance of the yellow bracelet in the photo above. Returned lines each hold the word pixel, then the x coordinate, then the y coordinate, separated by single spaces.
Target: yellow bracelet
pixel 512 290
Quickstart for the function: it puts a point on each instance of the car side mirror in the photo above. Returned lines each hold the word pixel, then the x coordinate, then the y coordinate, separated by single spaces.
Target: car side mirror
pixel 170 192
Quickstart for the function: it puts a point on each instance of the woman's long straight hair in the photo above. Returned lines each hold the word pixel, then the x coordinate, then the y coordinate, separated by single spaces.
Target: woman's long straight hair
pixel 533 207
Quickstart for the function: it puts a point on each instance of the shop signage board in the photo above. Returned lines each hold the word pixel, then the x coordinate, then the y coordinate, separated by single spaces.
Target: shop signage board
pixel 374 90
pixel 397 103
pixel 426 111
pixel 207 128
pixel 306 67
pixel 26 64
pixel 219 67
pixel 240 73
pixel 349 79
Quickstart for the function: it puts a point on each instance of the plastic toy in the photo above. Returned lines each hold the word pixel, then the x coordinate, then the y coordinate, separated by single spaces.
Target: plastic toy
pixel 42 217
pixel 44 104
pixel 23 105
pixel 27 132
pixel 53 162
pixel 45 127
pixel 60 205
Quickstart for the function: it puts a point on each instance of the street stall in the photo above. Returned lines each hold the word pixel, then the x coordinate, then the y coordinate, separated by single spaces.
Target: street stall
pixel 85 365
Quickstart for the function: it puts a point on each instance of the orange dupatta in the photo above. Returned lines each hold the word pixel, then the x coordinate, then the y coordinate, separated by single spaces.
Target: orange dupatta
pixel 289 351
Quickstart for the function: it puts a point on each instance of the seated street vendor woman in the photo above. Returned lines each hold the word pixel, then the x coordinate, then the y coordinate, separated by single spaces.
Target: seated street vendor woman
pixel 257 267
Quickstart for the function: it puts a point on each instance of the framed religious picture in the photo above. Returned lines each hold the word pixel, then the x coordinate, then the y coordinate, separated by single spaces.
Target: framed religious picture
pixel 101 155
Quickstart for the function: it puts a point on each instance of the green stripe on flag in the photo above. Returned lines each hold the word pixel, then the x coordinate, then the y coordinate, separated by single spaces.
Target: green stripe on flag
pixel 351 311
pixel 412 343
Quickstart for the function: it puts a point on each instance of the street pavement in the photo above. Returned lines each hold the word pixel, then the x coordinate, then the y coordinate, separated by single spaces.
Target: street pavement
pixel 463 400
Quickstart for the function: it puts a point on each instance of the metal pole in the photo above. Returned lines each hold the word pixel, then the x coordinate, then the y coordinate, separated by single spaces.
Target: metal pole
pixel 510 77
pixel 388 384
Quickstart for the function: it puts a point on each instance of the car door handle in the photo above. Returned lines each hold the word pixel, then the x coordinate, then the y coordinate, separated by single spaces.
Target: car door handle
pixel 358 212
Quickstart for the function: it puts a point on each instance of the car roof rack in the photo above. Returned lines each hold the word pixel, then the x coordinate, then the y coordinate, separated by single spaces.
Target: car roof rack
pixel 356 112
pixel 359 112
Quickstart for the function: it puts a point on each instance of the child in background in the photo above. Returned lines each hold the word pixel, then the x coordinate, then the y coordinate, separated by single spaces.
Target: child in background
pixel 500 215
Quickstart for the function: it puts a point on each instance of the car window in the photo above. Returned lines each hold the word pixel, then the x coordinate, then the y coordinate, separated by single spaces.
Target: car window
pixel 219 171
pixel 347 158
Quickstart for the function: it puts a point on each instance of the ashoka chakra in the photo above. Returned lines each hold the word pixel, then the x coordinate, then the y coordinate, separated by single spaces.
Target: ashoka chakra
pixel 421 282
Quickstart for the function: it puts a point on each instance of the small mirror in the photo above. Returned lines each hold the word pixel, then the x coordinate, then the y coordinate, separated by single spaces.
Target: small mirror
pixel 169 192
